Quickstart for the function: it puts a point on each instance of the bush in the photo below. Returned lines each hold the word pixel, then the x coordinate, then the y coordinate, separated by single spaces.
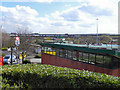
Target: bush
pixel 26 61
pixel 2 54
pixel 38 55
pixel 47 76
pixel 4 49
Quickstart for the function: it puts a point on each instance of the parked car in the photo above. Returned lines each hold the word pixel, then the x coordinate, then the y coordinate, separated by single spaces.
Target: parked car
pixel 7 59
pixel 9 49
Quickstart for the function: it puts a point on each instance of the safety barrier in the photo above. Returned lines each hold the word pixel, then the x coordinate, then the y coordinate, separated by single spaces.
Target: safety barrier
pixel 1 61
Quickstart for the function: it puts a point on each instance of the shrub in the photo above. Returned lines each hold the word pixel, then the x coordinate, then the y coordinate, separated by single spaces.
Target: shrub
pixel 38 55
pixel 47 76
pixel 26 61
pixel 4 49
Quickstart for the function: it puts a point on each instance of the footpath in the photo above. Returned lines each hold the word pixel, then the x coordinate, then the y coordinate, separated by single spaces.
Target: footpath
pixel 35 60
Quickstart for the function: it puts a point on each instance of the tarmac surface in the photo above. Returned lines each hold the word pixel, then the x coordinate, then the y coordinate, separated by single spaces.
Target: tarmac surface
pixel 30 57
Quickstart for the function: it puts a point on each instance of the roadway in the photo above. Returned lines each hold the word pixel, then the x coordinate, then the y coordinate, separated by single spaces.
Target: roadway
pixel 30 57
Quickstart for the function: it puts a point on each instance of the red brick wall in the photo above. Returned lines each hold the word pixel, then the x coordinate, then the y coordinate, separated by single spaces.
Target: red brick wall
pixel 63 62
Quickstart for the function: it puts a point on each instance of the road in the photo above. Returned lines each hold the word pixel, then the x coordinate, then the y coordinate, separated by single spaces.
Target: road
pixel 30 57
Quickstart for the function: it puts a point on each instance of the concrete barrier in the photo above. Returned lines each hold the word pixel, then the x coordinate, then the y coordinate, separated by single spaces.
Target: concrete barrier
pixel 35 60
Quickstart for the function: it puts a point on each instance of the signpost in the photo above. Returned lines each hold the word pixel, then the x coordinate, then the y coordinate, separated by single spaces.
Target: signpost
pixel 11 54
pixel 17 42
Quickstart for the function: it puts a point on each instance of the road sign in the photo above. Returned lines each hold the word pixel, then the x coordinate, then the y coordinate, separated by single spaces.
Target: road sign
pixel 17 38
pixel 17 41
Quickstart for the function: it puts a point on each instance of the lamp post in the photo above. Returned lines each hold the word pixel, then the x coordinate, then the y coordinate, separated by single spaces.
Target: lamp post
pixel 97 33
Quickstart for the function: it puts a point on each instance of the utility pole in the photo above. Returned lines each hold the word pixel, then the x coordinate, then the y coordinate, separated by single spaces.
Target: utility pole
pixel 97 33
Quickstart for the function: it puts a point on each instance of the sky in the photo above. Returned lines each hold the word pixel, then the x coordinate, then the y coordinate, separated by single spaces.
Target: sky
pixel 60 16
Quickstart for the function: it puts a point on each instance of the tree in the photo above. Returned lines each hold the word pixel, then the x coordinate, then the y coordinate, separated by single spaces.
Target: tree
pixel 25 39
pixel 105 39
pixel 4 38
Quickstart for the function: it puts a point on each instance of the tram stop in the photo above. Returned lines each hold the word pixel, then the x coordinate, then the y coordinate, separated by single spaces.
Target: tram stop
pixel 81 57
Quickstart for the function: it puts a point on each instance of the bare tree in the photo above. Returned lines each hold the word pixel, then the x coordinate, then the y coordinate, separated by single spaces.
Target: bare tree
pixel 4 38
pixel 25 39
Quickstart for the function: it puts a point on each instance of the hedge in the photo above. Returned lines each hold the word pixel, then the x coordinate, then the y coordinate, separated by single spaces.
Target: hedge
pixel 48 76
pixel 38 55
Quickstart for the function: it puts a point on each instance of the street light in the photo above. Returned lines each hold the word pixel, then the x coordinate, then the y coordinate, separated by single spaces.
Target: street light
pixel 97 33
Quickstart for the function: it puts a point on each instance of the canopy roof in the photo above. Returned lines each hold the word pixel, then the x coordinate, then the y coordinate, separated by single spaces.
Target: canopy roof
pixel 82 48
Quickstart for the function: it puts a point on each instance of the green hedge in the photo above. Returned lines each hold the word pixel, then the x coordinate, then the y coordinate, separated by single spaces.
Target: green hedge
pixel 47 76
pixel 26 61
pixel 38 55
pixel 4 48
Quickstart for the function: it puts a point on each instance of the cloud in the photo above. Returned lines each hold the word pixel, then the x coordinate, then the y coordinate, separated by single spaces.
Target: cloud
pixel 26 1
pixel 18 11
pixel 19 15
pixel 96 11
pixel 83 18
pixel 77 19
pixel 49 1
pixel 71 16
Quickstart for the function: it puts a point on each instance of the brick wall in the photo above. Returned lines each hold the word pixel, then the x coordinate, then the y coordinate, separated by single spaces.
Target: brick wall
pixel 63 62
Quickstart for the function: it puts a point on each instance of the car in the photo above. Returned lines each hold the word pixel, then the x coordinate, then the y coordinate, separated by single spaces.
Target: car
pixel 7 59
pixel 9 49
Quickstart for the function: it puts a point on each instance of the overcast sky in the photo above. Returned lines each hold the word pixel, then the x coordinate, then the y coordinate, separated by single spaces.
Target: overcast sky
pixel 60 16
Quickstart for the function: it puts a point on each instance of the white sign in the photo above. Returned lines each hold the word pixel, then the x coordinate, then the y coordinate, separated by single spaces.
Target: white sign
pixel 17 38
pixel 17 41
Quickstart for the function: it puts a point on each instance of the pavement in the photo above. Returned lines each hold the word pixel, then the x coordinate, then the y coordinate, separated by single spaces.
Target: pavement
pixel 35 60
pixel 30 57
pixel 32 60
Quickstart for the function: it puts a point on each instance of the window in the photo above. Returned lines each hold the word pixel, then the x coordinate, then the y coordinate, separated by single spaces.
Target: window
pixel 61 52
pixel 107 61
pixel 92 58
pixel 100 60
pixel 69 54
pixel 57 52
pixel 80 56
pixel 85 57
